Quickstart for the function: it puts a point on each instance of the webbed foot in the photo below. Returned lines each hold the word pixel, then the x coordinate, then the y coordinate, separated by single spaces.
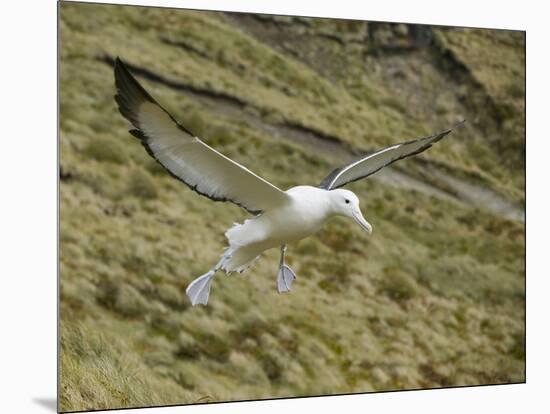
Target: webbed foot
pixel 285 277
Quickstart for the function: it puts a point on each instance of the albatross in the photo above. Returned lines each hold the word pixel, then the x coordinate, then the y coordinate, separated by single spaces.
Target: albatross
pixel 279 217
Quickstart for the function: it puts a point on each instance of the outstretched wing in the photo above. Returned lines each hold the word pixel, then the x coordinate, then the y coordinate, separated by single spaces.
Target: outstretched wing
pixel 185 156
pixel 369 164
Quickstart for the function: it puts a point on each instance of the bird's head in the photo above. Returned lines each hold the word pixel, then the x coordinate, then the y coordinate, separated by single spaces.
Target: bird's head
pixel 346 203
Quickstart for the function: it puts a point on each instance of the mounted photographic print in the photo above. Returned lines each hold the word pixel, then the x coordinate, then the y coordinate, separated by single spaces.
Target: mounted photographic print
pixel 258 206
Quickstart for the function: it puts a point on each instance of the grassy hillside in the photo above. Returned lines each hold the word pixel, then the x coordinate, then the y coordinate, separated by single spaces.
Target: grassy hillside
pixel 435 297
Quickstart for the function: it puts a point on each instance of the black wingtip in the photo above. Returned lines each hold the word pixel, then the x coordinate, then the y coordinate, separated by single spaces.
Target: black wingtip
pixel 447 132
pixel 118 64
pixel 120 67
pixel 460 124
pixel 123 77
pixel 130 94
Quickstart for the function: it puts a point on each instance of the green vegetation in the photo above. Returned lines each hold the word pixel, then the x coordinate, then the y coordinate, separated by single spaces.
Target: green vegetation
pixel 435 297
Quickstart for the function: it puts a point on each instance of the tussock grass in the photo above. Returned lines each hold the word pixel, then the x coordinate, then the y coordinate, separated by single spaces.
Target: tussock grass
pixel 103 149
pixel 141 185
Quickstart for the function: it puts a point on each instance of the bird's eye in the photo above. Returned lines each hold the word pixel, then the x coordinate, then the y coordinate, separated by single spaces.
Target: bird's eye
pixel 347 201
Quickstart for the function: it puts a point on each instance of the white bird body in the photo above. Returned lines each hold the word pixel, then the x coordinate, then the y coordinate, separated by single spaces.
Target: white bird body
pixel 280 217
pixel 304 214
